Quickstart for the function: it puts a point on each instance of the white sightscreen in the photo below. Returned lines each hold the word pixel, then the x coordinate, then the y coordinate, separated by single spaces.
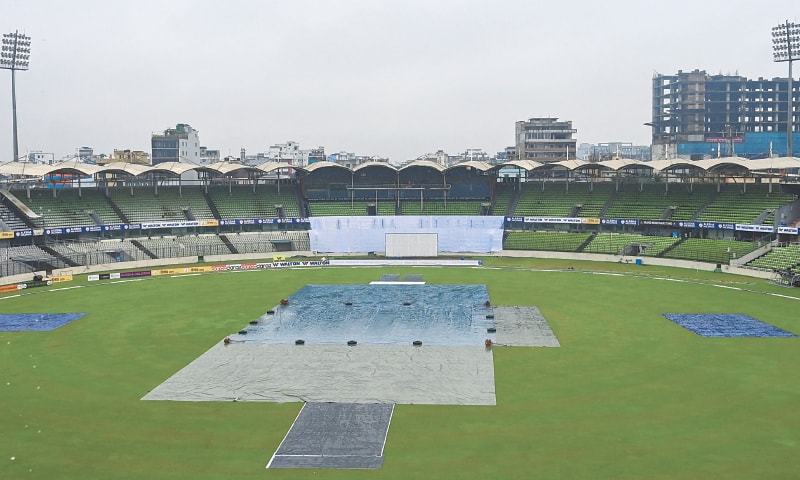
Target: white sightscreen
pixel 412 244
pixel 467 234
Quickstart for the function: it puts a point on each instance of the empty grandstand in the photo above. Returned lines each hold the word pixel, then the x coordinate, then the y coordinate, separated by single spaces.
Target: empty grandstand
pixel 711 219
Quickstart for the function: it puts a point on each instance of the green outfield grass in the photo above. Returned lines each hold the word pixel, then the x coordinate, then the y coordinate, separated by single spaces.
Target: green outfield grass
pixel 627 395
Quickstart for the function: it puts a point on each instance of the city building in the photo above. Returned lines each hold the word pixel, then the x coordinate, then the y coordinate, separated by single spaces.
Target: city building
pixel 440 157
pixel 350 160
pixel 179 144
pixel 697 115
pixel 609 150
pixel 509 153
pixel 127 156
pixel 471 155
pixel 208 156
pixel 38 156
pixel 545 139
pixel 316 155
pixel 288 153
pixel 86 154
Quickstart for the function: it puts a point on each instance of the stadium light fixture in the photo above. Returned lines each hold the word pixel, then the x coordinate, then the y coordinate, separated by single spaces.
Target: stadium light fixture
pixel 15 55
pixel 786 48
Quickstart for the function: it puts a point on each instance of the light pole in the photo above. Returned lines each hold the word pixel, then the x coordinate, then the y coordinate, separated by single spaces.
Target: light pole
pixel 786 48
pixel 14 56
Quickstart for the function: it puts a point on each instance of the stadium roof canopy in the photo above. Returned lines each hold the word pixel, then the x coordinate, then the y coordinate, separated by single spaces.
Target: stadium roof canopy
pixel 175 168
pixel 708 165
pixel 472 164
pixel 385 165
pixel 25 169
pixel 133 169
pixel 424 164
pixel 618 164
pixel 777 163
pixel 477 165
pixel 320 165
pixel 528 165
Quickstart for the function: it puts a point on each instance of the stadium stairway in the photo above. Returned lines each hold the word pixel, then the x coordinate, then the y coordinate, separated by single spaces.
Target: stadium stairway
pixel 608 203
pixel 229 244
pixel 57 255
pixel 763 216
pixel 298 200
pixel 745 259
pixel 144 249
pixel 96 218
pixel 12 207
pixel 117 210
pixel 211 205
pixel 586 243
pixel 512 204
pixel 670 248
pixel 701 210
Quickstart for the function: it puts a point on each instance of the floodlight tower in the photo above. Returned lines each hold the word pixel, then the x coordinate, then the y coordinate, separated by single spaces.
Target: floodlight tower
pixel 15 55
pixel 786 48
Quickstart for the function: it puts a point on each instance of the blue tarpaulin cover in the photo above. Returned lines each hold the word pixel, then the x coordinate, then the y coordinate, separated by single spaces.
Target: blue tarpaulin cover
pixel 726 325
pixel 29 322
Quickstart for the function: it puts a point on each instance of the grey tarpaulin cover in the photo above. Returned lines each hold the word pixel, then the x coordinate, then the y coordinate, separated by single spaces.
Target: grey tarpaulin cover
pixel 335 373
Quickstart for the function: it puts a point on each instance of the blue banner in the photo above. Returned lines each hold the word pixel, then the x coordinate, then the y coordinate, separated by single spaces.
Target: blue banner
pixel 86 229
pixel 262 221
pixel 707 225
pixel 150 225
pixel 619 221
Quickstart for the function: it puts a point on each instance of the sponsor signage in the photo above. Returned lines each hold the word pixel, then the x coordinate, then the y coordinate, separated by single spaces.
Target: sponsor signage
pixel 61 278
pixel 35 283
pixel 212 268
pixel 262 221
pixel 182 224
pixel 85 229
pixel 754 228
pixel 707 225
pixel 725 139
pixel 140 273
pixel 552 220
pixel 102 276
pixel 6 234
pixel 151 225
pixel 114 228
pixel 269 265
pixel 660 223
pixel 788 230
pixel 619 221
pixel 11 288
pixel 179 271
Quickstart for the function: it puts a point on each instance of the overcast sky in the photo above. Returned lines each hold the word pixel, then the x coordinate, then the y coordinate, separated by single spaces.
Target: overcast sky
pixel 375 77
